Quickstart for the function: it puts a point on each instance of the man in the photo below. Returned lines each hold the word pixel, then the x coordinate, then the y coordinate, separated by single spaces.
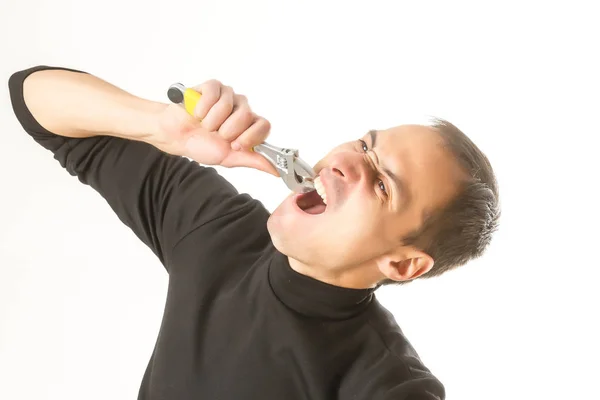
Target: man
pixel 264 306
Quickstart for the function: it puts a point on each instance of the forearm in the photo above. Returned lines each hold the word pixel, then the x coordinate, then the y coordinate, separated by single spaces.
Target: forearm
pixel 81 105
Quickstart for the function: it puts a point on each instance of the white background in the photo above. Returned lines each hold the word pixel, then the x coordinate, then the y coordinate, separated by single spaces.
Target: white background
pixel 81 299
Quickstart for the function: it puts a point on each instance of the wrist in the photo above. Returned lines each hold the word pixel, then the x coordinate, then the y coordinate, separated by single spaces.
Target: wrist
pixel 139 120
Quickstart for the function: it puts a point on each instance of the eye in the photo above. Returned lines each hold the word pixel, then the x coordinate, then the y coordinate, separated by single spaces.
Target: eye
pixel 382 187
pixel 365 148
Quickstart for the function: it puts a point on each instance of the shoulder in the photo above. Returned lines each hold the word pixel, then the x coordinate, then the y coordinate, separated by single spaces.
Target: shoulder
pixel 390 367
pixel 391 338
pixel 224 233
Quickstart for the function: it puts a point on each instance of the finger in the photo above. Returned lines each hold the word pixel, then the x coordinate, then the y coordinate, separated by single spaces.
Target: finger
pixel 237 123
pixel 249 159
pixel 220 111
pixel 256 134
pixel 211 93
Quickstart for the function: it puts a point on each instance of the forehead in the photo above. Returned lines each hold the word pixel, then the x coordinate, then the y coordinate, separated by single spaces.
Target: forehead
pixel 417 154
pixel 421 142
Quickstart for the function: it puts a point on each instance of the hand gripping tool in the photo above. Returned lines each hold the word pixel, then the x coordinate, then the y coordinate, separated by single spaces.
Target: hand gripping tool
pixel 295 172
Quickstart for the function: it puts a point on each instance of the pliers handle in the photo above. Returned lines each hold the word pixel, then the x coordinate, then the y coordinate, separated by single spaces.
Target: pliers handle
pixel 296 173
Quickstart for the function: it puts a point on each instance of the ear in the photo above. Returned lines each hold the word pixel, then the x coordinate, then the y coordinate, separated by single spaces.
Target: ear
pixel 405 264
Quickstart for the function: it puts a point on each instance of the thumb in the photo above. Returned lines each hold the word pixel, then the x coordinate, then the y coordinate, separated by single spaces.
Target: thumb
pixel 250 159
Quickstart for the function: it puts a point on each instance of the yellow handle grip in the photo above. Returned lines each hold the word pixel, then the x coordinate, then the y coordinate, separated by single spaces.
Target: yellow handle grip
pixel 190 100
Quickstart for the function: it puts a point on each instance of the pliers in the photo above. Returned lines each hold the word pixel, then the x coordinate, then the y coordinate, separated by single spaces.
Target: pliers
pixel 295 172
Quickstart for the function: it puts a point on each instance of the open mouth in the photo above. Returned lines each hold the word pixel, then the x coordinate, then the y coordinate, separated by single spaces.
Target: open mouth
pixel 313 202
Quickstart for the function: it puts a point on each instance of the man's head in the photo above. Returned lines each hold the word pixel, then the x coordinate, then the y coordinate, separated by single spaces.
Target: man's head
pixel 402 203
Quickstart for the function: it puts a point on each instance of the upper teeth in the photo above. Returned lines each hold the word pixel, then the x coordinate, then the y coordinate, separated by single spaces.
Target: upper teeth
pixel 320 189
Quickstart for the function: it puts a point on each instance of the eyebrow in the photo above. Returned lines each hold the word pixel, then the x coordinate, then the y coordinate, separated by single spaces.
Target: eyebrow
pixel 400 185
pixel 373 135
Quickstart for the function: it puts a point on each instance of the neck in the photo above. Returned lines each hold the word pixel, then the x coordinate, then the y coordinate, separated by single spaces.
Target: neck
pixel 358 277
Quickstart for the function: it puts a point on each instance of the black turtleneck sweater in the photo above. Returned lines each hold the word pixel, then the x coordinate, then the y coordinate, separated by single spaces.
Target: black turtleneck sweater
pixel 239 323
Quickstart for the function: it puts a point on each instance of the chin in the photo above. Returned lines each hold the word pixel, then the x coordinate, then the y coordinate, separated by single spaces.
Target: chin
pixel 275 231
pixel 294 231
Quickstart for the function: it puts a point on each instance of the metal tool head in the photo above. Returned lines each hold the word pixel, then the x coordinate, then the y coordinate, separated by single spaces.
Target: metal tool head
pixel 295 172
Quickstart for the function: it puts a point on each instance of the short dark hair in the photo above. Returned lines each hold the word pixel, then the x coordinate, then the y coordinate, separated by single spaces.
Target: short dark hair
pixel 462 229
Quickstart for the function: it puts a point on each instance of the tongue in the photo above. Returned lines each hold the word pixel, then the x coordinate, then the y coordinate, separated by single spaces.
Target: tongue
pixel 311 203
pixel 316 209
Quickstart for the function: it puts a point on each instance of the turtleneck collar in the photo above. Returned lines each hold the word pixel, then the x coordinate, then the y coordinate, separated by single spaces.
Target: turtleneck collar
pixel 311 297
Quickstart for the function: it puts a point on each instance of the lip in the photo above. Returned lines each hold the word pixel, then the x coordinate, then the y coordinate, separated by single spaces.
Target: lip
pixel 294 200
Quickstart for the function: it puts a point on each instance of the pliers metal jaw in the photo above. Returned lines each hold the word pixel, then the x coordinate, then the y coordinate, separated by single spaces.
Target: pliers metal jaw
pixel 295 172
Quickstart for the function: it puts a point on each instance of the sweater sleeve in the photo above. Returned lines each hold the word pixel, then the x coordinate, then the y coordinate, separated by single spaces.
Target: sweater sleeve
pixel 160 197
pixel 391 373
pixel 416 389
pixel 384 386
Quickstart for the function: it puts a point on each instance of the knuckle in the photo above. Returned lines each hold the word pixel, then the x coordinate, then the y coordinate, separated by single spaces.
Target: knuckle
pixel 213 82
pixel 265 124
pixel 242 106
pixel 224 107
pixel 211 88
pixel 245 114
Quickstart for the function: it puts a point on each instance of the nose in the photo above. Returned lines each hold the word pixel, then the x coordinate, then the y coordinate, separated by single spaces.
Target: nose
pixel 337 172
pixel 349 167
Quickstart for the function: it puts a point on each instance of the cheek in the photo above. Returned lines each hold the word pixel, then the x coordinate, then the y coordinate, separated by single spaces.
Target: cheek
pixel 353 239
pixel 359 217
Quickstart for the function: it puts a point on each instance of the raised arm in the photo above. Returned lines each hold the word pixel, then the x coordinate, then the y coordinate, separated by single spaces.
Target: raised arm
pixel 80 105
pixel 129 149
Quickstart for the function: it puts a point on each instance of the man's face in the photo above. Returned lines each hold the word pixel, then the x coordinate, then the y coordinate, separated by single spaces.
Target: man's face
pixel 378 189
